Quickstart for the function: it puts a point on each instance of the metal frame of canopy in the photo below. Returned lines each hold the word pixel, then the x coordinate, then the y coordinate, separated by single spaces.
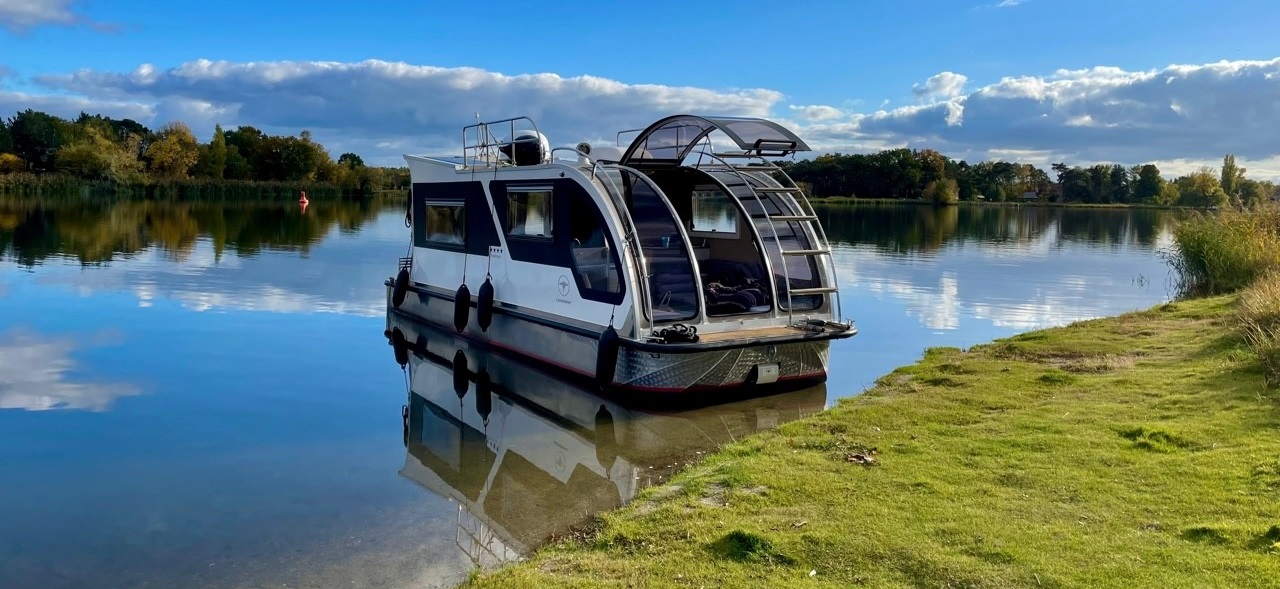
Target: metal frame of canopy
pixel 677 136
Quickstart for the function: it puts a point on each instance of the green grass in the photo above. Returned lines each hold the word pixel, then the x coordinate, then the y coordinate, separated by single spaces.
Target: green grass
pixel 1136 451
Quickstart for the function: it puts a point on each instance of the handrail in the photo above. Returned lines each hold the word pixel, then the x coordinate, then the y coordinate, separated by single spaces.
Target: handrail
pixel 618 138
pixel 632 239
pixel 821 232
pixel 684 237
pixel 580 153
pixel 486 141
pixel 782 259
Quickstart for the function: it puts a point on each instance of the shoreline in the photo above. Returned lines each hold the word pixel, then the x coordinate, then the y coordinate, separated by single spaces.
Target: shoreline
pixel 1136 450
pixel 842 200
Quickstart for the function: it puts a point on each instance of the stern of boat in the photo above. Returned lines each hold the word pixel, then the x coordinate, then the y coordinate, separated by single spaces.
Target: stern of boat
pixel 782 356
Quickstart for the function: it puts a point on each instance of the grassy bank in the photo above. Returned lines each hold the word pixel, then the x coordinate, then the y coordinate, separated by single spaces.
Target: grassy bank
pixel 1140 450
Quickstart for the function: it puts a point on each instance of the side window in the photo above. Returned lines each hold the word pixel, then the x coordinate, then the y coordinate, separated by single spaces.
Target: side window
pixel 714 214
pixel 594 261
pixel 446 223
pixel 529 212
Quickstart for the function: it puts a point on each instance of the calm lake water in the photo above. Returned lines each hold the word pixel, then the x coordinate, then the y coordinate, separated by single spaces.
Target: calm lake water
pixel 197 395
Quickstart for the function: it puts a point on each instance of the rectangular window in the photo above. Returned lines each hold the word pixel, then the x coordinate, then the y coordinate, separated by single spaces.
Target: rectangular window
pixel 529 212
pixel 714 213
pixel 446 223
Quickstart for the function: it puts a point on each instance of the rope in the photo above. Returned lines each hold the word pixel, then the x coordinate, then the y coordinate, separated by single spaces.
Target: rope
pixel 678 333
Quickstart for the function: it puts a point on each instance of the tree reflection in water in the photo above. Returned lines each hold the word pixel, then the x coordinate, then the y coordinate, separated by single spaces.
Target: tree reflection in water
pixel 95 232
pixel 898 228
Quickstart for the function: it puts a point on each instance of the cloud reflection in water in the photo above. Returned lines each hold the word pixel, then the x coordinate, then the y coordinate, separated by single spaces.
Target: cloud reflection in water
pixel 36 375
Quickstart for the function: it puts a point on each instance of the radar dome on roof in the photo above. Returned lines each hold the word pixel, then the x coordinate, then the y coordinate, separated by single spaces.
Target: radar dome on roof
pixel 527 148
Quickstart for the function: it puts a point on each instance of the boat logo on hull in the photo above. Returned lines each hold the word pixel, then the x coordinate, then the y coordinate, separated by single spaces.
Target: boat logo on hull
pixel 564 285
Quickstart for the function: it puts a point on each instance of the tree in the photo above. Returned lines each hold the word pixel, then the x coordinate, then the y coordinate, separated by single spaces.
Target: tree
pixel 37 137
pixel 933 166
pixel 1231 177
pixel 1255 192
pixel 942 192
pixel 84 158
pixel 1201 189
pixel 1074 183
pixel 1099 183
pixel 1149 184
pixel 10 163
pixel 1121 190
pixel 1170 194
pixel 6 138
pixel 244 152
pixel 173 152
pixel 218 153
pixel 350 161
pixel 97 157
pixel 238 167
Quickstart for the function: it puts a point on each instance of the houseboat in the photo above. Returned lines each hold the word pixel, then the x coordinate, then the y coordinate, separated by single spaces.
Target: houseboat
pixel 686 261
pixel 526 455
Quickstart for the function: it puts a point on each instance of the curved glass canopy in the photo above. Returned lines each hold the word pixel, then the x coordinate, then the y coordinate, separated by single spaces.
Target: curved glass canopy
pixel 668 141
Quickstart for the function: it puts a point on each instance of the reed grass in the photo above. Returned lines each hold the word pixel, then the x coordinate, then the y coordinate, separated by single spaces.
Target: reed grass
pixel 1258 315
pixel 191 189
pixel 1224 252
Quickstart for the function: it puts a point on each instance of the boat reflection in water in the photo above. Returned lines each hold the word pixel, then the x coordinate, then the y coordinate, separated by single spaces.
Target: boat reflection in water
pixel 527 456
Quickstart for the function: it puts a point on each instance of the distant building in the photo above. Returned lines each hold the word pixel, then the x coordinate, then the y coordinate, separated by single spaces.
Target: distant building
pixel 1030 196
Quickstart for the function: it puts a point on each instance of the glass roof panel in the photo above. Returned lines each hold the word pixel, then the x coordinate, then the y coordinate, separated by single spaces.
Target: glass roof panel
pixel 669 140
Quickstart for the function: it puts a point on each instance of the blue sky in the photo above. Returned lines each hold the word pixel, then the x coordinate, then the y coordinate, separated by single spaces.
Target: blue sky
pixel 1036 80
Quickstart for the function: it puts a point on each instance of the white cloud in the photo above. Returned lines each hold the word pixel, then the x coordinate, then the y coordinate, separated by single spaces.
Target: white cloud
pixel 372 101
pixel 818 112
pixel 23 15
pixel 1009 3
pixel 1254 168
pixel 382 109
pixel 71 106
pixel 19 15
pixel 1190 112
pixel 942 86
pixel 35 374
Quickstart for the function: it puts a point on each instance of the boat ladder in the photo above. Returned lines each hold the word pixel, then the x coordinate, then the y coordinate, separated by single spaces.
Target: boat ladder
pixel 764 182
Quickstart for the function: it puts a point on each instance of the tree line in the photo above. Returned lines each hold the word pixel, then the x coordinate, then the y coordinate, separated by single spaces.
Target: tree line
pixel 925 173
pixel 126 152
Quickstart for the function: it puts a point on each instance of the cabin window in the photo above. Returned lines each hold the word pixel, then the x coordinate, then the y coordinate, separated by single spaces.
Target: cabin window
pixel 446 223
pixel 594 262
pixel 529 212
pixel 714 213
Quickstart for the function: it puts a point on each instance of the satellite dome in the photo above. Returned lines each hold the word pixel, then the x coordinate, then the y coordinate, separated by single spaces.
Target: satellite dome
pixel 527 148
